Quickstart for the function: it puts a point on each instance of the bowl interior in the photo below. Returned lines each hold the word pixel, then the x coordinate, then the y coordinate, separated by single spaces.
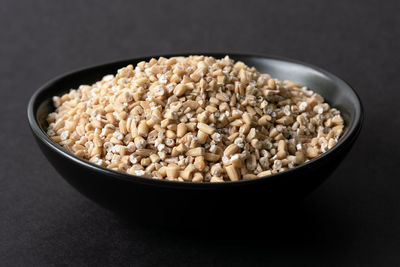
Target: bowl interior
pixel 335 91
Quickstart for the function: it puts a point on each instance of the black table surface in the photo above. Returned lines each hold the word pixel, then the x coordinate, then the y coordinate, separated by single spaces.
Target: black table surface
pixel 351 220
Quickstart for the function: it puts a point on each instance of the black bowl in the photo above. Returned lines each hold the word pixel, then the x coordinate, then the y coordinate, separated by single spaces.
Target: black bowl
pixel 182 203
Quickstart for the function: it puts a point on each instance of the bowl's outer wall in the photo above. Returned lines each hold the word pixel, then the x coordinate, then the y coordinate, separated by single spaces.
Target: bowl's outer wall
pixel 169 204
pixel 160 202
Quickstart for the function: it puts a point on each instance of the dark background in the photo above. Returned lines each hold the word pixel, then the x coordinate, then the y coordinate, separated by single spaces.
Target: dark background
pixel 352 220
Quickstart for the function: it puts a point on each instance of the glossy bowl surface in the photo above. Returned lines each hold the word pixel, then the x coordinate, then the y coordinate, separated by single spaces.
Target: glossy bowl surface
pixel 171 202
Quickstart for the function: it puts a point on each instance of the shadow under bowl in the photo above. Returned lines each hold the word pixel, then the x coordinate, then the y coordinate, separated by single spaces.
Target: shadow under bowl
pixel 185 204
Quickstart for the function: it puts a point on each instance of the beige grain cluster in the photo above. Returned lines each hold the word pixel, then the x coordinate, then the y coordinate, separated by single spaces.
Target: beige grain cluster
pixel 196 119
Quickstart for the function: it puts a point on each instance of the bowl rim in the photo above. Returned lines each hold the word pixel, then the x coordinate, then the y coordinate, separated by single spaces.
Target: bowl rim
pixel 349 136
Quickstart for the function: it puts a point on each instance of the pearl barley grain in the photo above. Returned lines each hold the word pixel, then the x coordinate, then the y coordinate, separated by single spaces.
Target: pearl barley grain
pixel 194 119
